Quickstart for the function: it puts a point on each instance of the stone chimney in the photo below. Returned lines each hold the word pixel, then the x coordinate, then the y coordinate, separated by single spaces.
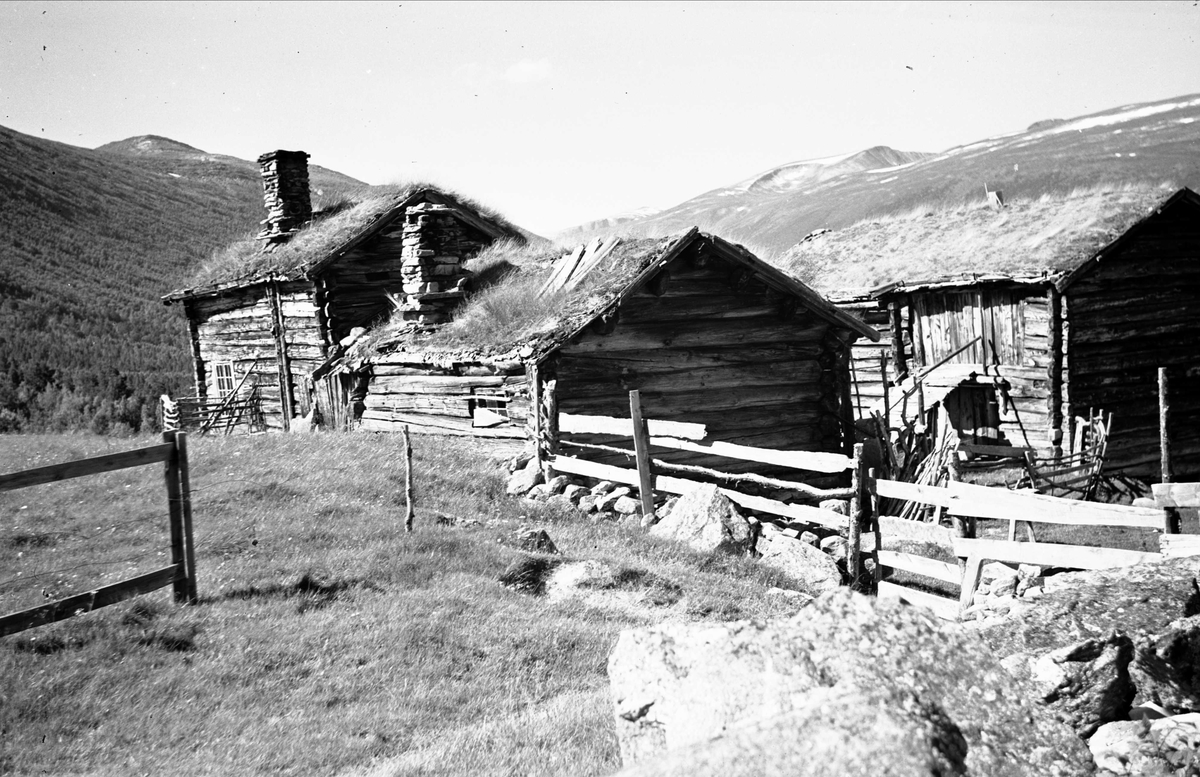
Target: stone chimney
pixel 285 192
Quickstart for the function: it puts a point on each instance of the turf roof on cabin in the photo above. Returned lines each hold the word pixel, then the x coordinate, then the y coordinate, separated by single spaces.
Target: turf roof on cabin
pixel 1027 239
pixel 511 319
pixel 245 262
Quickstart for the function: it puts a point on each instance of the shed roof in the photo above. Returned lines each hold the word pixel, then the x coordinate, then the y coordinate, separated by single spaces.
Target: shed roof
pixel 1027 241
pixel 332 232
pixel 535 325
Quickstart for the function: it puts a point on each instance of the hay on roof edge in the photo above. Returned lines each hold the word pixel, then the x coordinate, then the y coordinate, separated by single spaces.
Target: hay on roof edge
pixel 1047 235
pixel 245 261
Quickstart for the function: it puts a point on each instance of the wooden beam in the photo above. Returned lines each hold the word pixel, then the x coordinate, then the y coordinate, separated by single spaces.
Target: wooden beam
pixel 814 461
pixel 1176 494
pixel 939 570
pixel 641 446
pixel 93 466
pixel 944 608
pixel 599 424
pixel 91 600
pixel 912 492
pixel 975 501
pixel 1049 554
pixel 673 485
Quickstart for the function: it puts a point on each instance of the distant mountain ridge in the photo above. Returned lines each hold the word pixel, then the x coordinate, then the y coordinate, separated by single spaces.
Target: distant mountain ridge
pixel 1143 143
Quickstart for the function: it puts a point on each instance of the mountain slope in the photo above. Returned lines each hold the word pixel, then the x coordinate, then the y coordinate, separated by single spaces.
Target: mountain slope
pixel 1144 143
pixel 88 242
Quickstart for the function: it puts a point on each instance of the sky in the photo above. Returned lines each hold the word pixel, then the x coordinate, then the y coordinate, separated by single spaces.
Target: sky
pixel 560 113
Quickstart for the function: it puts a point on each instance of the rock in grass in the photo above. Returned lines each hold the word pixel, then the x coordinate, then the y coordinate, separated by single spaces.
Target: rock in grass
pixel 678 686
pixel 608 501
pixel 627 505
pixel 706 521
pixel 528 573
pixel 525 478
pixel 816 571
pixel 534 541
pixel 831 731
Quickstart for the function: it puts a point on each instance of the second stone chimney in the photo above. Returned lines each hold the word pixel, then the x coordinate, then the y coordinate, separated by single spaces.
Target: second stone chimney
pixel 285 193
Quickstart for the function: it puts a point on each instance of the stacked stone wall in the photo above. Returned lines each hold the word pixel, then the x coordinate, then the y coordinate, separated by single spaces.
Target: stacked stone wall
pixel 435 245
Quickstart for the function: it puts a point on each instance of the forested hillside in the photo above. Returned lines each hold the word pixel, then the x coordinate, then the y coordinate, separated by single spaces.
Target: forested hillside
pixel 89 241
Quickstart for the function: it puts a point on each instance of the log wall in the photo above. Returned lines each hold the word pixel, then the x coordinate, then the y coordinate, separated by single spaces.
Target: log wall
pixel 441 399
pixel 1136 311
pixel 269 330
pixel 417 258
pixel 718 347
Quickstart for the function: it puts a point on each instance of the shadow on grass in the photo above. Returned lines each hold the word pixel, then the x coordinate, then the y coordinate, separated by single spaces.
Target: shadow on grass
pixel 313 592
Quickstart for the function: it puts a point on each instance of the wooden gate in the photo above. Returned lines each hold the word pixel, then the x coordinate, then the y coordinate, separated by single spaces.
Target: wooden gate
pixel 180 573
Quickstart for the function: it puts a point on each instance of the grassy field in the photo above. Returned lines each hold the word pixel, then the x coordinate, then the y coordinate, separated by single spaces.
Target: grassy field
pixel 327 641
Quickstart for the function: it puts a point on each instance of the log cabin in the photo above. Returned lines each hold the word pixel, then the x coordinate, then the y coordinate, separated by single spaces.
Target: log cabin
pixel 269 309
pixel 1027 316
pixel 706 331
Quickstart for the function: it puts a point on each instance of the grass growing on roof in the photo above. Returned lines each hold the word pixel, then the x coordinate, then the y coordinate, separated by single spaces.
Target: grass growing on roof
pixel 513 311
pixel 1026 238
pixel 331 227
pixel 327 640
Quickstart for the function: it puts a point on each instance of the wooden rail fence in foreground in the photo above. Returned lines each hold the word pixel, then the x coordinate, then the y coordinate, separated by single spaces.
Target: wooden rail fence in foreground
pixel 967 503
pixel 181 573
pixel 649 474
pixel 964 503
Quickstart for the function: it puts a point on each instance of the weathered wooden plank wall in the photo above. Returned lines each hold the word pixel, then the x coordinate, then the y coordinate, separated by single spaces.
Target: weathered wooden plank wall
pixel 1136 311
pixel 865 375
pixel 1015 325
pixel 716 348
pixel 440 399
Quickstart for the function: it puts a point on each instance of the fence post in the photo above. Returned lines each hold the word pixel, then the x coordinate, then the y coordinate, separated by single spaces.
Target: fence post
pixel 1164 416
pixel 175 514
pixel 641 449
pixel 854 538
pixel 869 465
pixel 408 480
pixel 185 501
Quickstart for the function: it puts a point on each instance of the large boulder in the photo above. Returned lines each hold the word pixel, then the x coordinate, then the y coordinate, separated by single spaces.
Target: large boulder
pixel 831 731
pixel 1084 685
pixel 1098 641
pixel 1078 606
pixel 1166 667
pixel 817 572
pixel 679 685
pixel 706 521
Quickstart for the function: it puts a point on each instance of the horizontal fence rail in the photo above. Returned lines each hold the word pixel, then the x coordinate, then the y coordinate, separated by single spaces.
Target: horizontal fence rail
pixel 181 573
pixel 966 500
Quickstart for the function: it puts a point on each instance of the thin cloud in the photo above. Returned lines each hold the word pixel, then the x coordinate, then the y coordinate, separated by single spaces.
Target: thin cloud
pixel 528 71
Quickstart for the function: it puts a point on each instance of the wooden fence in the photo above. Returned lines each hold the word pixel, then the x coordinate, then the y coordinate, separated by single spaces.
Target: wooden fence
pixel 180 573
pixel 966 504
pixel 649 474
pixel 202 415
